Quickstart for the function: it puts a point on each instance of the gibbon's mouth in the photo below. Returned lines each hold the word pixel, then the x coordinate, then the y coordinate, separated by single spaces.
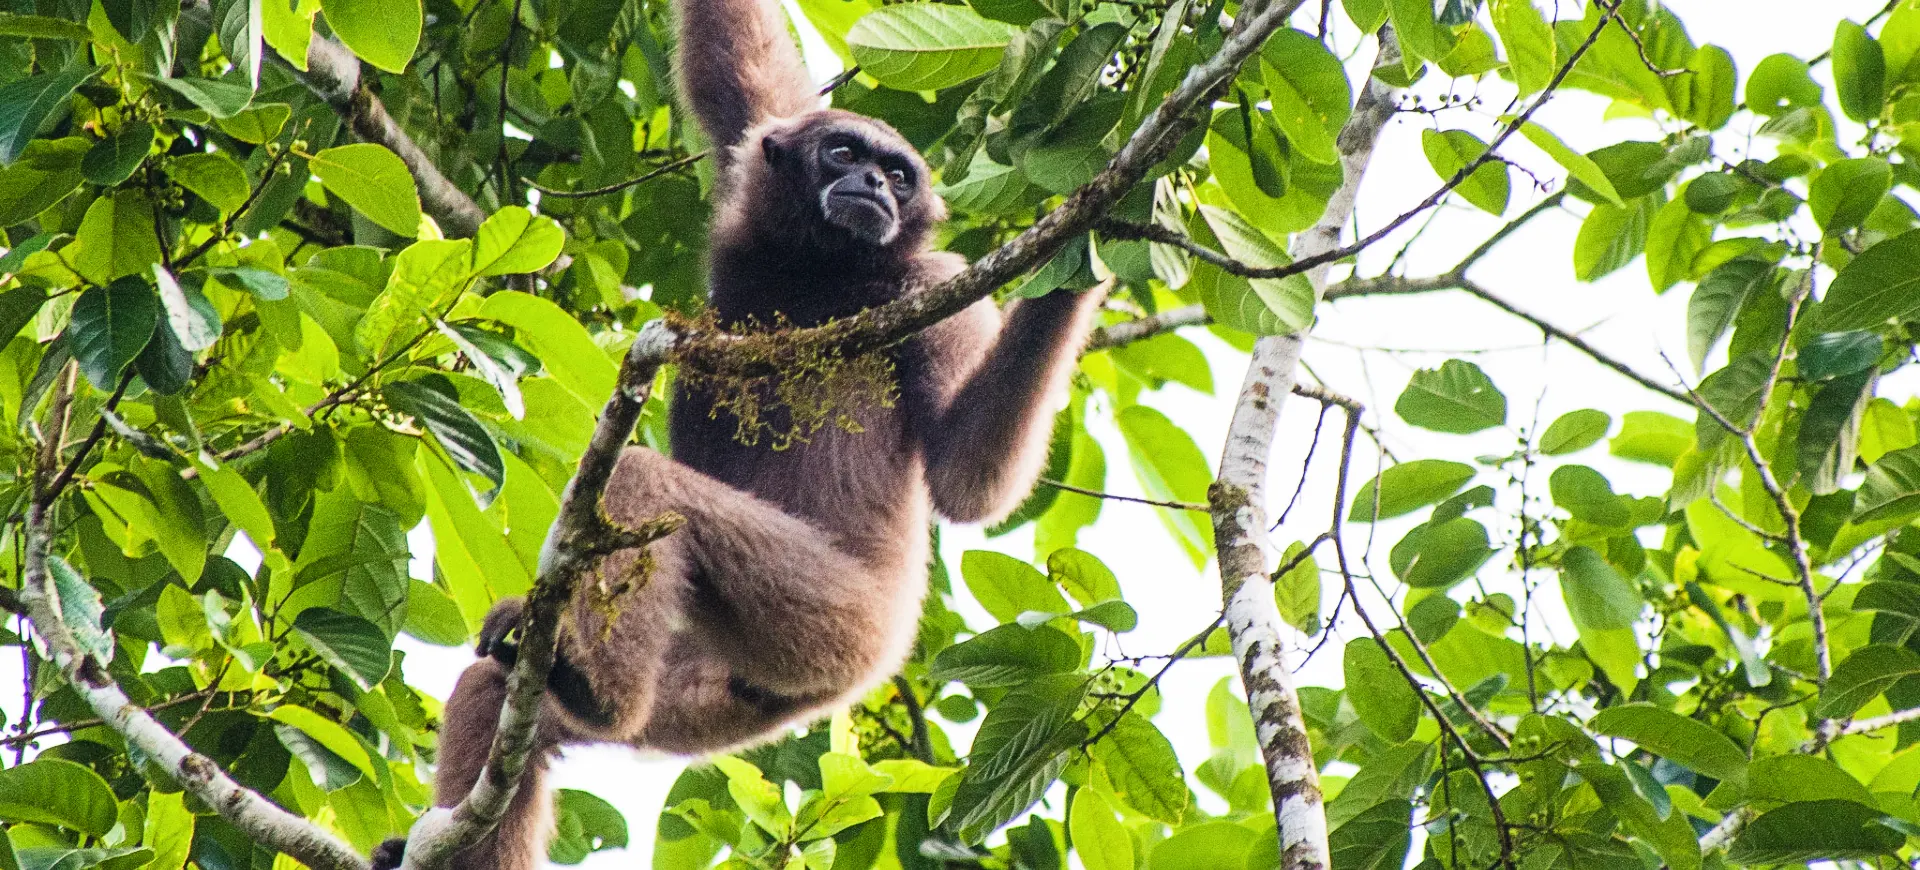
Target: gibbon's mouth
pixel 868 216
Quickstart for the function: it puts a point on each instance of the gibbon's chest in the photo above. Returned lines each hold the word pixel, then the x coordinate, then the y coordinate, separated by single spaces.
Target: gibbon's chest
pixel 837 450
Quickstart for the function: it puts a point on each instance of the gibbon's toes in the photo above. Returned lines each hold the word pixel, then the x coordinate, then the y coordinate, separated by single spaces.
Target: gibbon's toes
pixel 388 855
pixel 499 634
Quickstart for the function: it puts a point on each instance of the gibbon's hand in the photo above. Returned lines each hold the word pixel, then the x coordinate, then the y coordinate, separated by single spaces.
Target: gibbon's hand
pixel 500 633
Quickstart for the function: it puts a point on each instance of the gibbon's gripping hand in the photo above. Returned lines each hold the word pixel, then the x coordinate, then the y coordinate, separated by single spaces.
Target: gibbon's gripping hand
pixel 500 632
pixel 389 855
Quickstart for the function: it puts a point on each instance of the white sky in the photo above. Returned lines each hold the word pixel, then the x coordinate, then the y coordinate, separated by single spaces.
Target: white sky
pixel 1532 269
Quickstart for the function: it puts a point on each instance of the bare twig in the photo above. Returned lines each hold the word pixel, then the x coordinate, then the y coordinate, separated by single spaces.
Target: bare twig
pixel 1170 505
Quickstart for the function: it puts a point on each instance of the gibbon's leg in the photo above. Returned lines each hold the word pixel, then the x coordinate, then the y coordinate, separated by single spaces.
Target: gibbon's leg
pixel 711 710
pixel 772 596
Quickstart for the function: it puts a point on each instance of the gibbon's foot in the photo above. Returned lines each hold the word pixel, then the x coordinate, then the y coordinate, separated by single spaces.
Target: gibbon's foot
pixel 499 633
pixel 390 854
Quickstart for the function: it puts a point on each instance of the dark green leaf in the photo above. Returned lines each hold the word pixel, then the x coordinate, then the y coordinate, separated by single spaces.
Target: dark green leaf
pixel 1687 742
pixel 1830 431
pixel 269 286
pixel 1019 751
pixel 1438 555
pixel 55 792
pixel 1007 656
pixel 1869 671
pixel 1809 831
pixel 30 103
pixel 1859 72
pixel 1407 487
pixel 165 366
pixel 1879 285
pixel 1892 488
pixel 355 646
pixel 1378 692
pixel 80 606
pixel 1457 397
pixel 110 326
pixel 113 159
pixel 1376 839
pixel 458 431
pixel 1575 431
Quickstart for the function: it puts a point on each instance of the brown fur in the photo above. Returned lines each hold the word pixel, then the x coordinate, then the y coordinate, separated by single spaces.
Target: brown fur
pixel 795 586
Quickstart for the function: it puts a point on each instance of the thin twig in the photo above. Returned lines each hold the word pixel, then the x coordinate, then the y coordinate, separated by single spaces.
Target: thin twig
pixel 1170 505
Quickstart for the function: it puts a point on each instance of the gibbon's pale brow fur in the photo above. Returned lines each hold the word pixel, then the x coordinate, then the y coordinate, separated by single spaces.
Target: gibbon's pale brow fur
pixel 795 586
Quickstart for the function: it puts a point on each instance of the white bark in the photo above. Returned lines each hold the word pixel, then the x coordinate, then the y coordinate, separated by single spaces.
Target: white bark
pixel 1240 519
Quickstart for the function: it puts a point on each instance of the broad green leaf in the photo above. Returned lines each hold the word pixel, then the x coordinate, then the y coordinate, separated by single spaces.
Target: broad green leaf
pixel 1588 496
pixel 55 792
pixel 110 326
pixel 1597 596
pixel 1862 676
pixel 1817 831
pixel 1007 656
pixel 116 238
pixel 489 369
pixel 561 343
pixel 288 28
pixel 1083 576
pixel 1144 770
pixel 1689 743
pixel 927 46
pixel 1296 592
pixel 1789 778
pixel 30 104
pixel 382 32
pixel 1575 431
pixel 1451 151
pixel 1008 587
pixel 1310 95
pixel 584 824
pixel 1421 36
pixel 459 432
pixel 192 319
pixel 1611 237
pixel 1859 72
pixel 42 27
pixel 1457 398
pixel 163 364
pixel 236 498
pixel 113 159
pixel 1877 286
pixel 269 286
pixel 1832 354
pixel 1020 749
pixel 355 646
pixel 1779 83
pixel 18 307
pixel 1710 85
pixel 258 124
pixel 432 615
pixel 238 23
pixel 372 180
pixel 1847 191
pixel 328 733
pixel 1529 43
pixel 1717 300
pixel 1366 15
pixel 1675 237
pixel 1170 467
pixel 1098 838
pixel 214 177
pixel 1206 846
pixel 45 173
pixel 1262 306
pixel 354 560
pixel 427 277
pixel 1376 839
pixel 1830 431
pixel 1440 554
pixel 169 830
pixel 1407 487
pixel 514 240
pixel 1884 428
pixel 221 99
pixel 80 605
pixel 1378 691
pixel 1580 166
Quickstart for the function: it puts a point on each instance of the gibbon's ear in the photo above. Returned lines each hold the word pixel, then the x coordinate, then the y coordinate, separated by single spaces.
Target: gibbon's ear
pixel 775 149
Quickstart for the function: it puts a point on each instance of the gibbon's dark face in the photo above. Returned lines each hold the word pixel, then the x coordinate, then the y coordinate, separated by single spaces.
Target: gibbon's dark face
pixel 862 177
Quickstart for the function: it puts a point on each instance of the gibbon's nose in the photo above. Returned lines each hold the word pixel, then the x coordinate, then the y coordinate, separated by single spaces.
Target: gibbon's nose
pixel 876 180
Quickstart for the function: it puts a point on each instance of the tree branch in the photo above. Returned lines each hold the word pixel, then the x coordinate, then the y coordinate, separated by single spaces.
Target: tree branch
pixel 1238 499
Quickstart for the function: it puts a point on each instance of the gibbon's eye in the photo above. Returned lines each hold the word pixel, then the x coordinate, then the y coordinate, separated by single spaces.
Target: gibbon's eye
pixel 841 154
pixel 898 177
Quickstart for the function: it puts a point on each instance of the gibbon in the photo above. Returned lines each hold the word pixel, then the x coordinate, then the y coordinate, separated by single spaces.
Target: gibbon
pixel 795 585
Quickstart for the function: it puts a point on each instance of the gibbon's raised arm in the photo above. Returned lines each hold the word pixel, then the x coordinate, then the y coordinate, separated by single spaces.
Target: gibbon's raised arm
pixel 738 66
pixel 987 441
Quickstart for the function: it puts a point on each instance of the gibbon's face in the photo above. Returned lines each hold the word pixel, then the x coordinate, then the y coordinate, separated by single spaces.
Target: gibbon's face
pixel 863 178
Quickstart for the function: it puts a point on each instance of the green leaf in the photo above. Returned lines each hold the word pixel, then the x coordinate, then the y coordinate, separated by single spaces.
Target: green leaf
pixel 489 369
pixel 1098 838
pixel 1366 15
pixel 190 317
pixel 1083 575
pixel 258 124
pixel 46 172
pixel 238 25
pixel 1170 467
pixel 214 177
pixel 1847 191
pixel 927 46
pixel 1859 72
pixel 1832 354
pixel 1451 151
pixel 1789 778
pixel 374 181
pixel 1008 587
pixel 1580 166
pixel 1809 831
pixel 1588 496
pixel 382 32
pixel 30 104
pixel 54 792
pixel 1863 676
pixel 584 824
pixel 1674 238
pixel 236 498
pixel 1407 487
pixel 1710 85
pixel 1440 554
pixel 116 238
pixel 356 647
pixel 1007 656
pixel 18 307
pixel 1877 286
pixel 1143 768
pixel 331 735
pixel 110 326
pixel 1610 238
pixel 1376 839
pixel 1379 693
pixel 514 241
pixel 113 159
pixel 1457 398
pixel 1206 846
pixel 42 27
pixel 432 615
pixel 1717 300
pixel 1779 83
pixel 1310 95
pixel 169 830
pixel 1598 598
pixel 458 431
pixel 1020 749
pixel 1575 431
pixel 1296 592
pixel 561 343
pixel 1262 306
pixel 1421 37
pixel 80 606
pixel 1529 42
pixel 1830 431
pixel 163 364
pixel 1891 490
pixel 1689 743
pixel 427 276
pixel 268 286
pixel 217 98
